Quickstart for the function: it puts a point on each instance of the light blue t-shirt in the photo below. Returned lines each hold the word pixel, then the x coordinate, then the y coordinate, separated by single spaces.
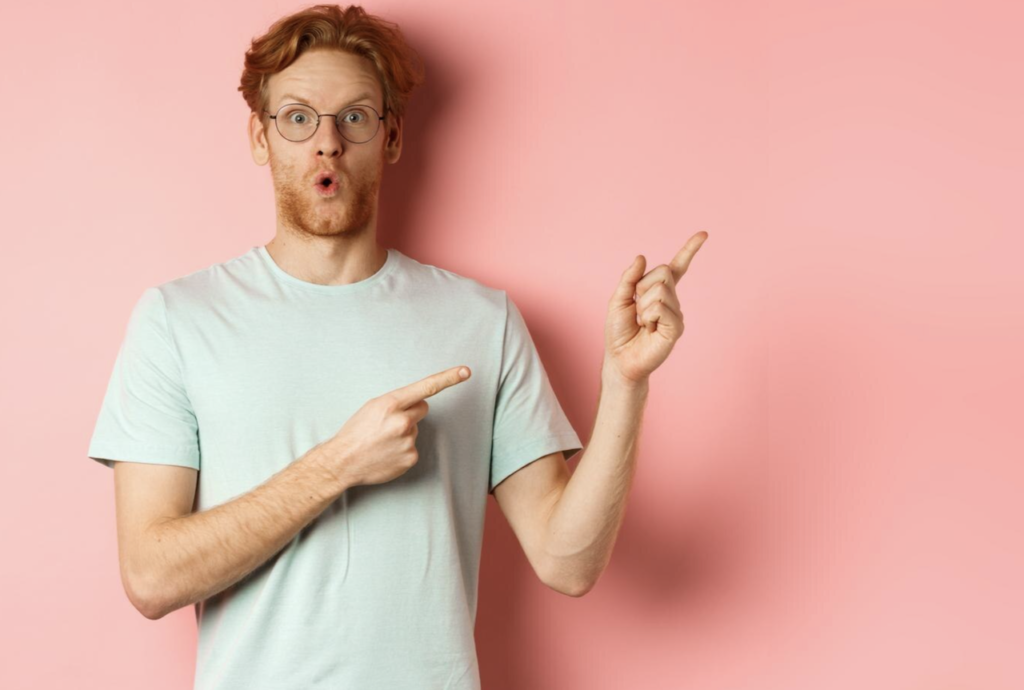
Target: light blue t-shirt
pixel 238 369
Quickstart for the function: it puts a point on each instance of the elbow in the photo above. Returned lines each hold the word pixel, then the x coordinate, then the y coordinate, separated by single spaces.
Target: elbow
pixel 153 612
pixel 567 580
pixel 579 590
pixel 142 593
pixel 571 588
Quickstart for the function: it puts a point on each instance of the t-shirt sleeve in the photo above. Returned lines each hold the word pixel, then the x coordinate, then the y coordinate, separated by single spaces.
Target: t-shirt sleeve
pixel 529 422
pixel 146 415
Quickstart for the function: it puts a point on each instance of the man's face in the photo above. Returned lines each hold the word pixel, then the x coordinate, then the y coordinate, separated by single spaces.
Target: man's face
pixel 329 82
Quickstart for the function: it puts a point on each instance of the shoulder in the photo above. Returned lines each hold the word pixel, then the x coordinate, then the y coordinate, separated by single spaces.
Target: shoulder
pixel 202 286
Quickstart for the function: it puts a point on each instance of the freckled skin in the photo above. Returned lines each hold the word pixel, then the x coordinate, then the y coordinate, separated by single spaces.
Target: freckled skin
pixel 300 206
pixel 327 78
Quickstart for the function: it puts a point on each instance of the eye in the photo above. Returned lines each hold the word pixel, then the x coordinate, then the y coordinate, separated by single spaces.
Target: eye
pixel 357 113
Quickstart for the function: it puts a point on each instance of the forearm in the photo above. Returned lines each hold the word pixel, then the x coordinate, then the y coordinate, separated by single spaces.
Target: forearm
pixel 585 521
pixel 193 557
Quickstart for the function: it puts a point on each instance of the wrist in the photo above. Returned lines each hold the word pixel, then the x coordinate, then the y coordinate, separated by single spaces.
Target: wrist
pixel 612 379
pixel 328 462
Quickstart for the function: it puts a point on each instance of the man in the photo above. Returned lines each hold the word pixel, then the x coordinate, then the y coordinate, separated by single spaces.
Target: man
pixel 304 436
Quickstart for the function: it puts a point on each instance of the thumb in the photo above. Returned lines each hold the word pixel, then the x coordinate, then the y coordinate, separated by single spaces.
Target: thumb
pixel 626 288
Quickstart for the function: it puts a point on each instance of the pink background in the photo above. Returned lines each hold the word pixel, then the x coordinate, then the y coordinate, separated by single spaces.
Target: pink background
pixel 829 487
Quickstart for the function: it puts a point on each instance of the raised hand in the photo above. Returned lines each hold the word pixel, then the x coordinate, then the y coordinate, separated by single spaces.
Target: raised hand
pixel 644 318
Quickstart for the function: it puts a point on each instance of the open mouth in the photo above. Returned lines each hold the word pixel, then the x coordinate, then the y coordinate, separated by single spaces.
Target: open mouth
pixel 326 183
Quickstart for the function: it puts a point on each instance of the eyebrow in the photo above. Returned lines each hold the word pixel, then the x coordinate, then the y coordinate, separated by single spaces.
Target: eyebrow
pixel 296 99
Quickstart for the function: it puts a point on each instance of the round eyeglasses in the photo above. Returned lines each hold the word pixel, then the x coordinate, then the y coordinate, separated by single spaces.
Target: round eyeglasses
pixel 297 122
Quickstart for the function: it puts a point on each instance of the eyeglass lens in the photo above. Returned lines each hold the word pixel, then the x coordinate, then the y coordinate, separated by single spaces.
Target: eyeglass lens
pixel 357 124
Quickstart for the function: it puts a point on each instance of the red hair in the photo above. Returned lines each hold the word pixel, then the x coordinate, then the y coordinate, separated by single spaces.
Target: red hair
pixel 348 29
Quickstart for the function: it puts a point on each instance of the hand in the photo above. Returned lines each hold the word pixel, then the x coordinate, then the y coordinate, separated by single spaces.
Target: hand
pixel 378 443
pixel 640 332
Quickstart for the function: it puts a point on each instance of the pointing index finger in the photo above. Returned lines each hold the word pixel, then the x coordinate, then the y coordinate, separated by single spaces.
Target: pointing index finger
pixel 681 261
pixel 431 385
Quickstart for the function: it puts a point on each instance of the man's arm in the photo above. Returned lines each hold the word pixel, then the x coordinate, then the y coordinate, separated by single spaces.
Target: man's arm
pixel 644 322
pixel 190 558
pixel 583 524
pixel 569 523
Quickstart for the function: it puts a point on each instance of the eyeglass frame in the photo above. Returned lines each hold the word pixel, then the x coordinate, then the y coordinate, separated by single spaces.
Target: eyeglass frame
pixel 321 115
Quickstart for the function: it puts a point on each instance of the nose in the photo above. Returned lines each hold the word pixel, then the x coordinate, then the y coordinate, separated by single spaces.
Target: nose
pixel 328 139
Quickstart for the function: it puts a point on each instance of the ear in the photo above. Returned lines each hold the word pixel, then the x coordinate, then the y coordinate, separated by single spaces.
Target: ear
pixel 392 138
pixel 258 140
